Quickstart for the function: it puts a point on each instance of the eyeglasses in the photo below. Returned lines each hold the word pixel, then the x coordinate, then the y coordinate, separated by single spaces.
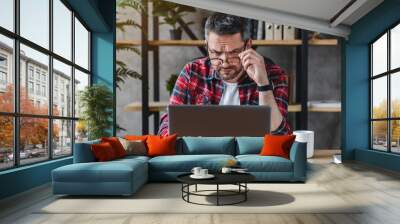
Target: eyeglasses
pixel 231 57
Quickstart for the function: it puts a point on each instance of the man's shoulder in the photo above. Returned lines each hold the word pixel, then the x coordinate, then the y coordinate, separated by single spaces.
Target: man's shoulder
pixel 272 68
pixel 199 66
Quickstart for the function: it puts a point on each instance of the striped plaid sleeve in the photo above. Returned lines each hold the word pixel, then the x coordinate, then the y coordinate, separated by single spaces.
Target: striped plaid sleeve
pixel 279 82
pixel 179 96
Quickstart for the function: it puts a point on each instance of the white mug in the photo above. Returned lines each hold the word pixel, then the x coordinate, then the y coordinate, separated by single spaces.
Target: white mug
pixel 203 172
pixel 196 170
pixel 226 170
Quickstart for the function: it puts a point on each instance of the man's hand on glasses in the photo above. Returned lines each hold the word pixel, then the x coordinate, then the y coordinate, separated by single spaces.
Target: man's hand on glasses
pixel 254 65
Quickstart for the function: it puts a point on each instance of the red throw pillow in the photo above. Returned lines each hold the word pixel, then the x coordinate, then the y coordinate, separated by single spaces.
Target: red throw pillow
pixel 136 137
pixel 277 145
pixel 161 145
pixel 116 145
pixel 103 152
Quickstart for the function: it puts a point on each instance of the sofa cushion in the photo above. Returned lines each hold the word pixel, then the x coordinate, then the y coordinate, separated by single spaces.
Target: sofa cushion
pixel 83 152
pixel 112 171
pixel 116 145
pixel 208 145
pixel 185 163
pixel 103 152
pixel 257 163
pixel 249 145
pixel 277 145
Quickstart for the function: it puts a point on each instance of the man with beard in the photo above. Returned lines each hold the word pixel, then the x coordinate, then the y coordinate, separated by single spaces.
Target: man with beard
pixel 232 74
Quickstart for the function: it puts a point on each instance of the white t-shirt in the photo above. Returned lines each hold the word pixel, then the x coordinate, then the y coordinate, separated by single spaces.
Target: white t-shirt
pixel 230 96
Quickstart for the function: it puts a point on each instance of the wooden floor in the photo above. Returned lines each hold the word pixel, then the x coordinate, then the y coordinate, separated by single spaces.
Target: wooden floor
pixel 377 188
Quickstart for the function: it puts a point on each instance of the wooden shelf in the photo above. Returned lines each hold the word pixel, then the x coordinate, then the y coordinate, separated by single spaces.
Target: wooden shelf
pixel 324 106
pixel 162 105
pixel 322 42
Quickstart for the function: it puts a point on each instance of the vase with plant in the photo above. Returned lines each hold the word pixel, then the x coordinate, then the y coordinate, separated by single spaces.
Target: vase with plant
pixel 96 102
pixel 170 83
pixel 172 13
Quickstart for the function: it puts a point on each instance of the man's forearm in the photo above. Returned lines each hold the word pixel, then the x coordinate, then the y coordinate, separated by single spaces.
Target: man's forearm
pixel 267 98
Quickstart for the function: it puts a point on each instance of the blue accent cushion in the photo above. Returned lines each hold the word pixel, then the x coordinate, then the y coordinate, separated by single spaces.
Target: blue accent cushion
pixel 185 163
pixel 249 145
pixel 83 153
pixel 257 163
pixel 208 145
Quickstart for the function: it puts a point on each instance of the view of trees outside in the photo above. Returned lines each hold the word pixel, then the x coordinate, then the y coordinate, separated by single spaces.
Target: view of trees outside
pixel 33 131
pixel 379 128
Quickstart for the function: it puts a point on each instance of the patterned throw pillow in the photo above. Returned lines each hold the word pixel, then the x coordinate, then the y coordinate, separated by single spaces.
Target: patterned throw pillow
pixel 134 147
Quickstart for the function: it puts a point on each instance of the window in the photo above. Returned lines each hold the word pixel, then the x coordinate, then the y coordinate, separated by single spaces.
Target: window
pixel 35 21
pixel 47 73
pixel 30 73
pixel 38 89
pixel 7 14
pixel 44 91
pixel 62 29
pixel 385 94
pixel 62 75
pixel 6 74
pixel 81 45
pixel 30 87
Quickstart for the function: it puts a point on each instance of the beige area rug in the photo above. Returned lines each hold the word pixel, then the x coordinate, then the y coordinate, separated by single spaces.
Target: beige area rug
pixel 166 198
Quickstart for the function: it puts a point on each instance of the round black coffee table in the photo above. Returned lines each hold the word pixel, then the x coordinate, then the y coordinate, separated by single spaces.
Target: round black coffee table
pixel 238 179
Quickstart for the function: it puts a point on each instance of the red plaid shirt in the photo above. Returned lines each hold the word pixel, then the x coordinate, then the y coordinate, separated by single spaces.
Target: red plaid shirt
pixel 198 83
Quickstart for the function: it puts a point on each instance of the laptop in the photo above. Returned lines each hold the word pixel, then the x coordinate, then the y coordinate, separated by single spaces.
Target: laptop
pixel 219 120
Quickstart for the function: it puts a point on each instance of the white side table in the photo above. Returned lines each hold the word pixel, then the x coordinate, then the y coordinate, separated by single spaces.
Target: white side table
pixel 307 137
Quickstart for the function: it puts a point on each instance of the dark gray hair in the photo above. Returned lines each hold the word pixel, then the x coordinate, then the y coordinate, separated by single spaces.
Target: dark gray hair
pixel 225 24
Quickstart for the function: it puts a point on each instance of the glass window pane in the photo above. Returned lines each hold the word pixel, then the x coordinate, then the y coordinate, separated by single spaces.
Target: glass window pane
pixel 62 29
pixel 6 142
pixel 81 81
pixel 81 131
pixel 7 14
pixel 379 97
pixel 62 89
pixel 395 47
pixel 35 21
pixel 33 139
pixel 395 94
pixel 81 45
pixel 6 74
pixel 34 97
pixel 379 55
pixel 379 135
pixel 62 138
pixel 395 136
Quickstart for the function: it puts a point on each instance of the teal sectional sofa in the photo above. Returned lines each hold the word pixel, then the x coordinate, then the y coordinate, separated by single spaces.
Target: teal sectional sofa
pixel 125 176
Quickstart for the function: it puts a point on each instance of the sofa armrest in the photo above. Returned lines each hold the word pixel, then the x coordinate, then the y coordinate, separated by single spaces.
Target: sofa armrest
pixel 298 155
pixel 83 152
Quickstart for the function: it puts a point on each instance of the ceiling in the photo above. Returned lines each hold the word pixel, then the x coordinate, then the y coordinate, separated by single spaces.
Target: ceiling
pixel 326 16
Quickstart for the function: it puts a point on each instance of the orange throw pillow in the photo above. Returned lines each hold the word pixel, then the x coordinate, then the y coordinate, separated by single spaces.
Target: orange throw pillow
pixel 116 145
pixel 103 152
pixel 277 145
pixel 136 137
pixel 161 145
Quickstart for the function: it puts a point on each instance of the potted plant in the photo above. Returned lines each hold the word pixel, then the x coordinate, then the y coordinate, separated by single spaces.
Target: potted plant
pixel 170 83
pixel 96 102
pixel 172 13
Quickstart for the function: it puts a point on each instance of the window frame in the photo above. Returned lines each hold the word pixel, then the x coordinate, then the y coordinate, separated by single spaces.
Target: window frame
pixel 388 74
pixel 16 114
